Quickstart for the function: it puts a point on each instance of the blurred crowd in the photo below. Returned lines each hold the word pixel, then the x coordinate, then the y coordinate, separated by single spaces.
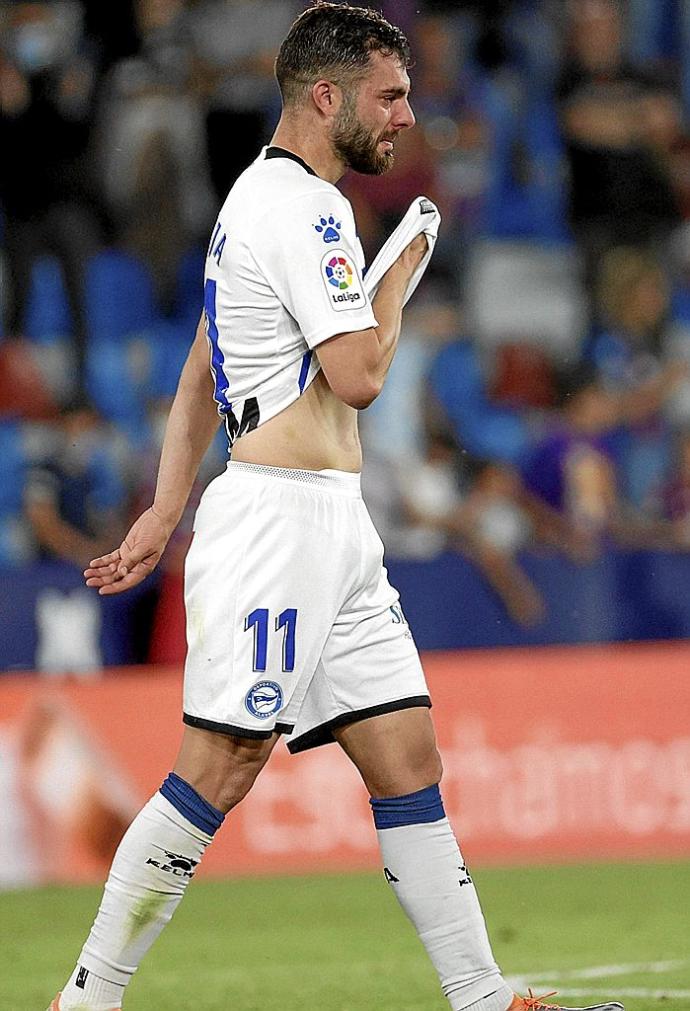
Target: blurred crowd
pixel 540 398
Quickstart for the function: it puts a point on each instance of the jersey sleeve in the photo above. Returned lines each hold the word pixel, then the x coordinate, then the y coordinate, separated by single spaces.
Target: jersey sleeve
pixel 311 257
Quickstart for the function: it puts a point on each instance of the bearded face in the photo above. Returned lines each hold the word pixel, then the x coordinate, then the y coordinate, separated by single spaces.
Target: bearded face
pixel 362 148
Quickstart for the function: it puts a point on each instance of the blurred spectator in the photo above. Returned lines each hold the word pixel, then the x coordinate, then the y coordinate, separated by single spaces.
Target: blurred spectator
pixel 237 42
pixel 616 121
pixel 674 500
pixel 422 510
pixel 47 83
pixel 497 526
pixel 633 303
pixel 574 468
pixel 395 424
pixel 634 360
pixel 74 498
pixel 153 147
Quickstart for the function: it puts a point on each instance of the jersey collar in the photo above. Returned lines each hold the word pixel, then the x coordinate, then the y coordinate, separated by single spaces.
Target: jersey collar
pixel 280 152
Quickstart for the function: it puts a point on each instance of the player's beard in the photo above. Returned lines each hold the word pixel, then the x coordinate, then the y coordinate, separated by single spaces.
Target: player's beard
pixel 356 145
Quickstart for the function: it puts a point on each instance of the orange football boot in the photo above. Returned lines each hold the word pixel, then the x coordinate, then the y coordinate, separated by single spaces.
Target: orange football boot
pixel 532 1003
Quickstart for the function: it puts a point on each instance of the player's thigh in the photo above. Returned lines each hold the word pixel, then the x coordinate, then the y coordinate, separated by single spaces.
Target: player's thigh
pixel 395 753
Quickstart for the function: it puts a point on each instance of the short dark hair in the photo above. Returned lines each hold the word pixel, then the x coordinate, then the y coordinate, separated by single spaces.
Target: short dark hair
pixel 334 40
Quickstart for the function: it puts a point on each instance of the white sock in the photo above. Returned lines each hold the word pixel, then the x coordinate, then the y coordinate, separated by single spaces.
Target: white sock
pixel 425 868
pixel 498 1001
pixel 151 870
pixel 101 994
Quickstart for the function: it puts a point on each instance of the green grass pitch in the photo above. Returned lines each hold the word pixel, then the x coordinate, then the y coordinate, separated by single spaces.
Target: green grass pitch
pixel 341 943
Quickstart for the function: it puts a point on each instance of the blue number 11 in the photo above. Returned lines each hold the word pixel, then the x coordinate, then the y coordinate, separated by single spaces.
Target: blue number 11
pixel 258 620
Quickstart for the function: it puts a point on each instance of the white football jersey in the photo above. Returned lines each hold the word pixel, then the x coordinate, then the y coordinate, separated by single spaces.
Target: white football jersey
pixel 283 274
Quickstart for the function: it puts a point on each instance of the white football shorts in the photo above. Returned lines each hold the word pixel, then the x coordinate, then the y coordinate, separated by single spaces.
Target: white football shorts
pixel 292 625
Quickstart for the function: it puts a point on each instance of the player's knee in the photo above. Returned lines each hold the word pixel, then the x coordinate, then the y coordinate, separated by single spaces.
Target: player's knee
pixel 417 770
pixel 222 769
pixel 242 769
pixel 237 785
pixel 427 767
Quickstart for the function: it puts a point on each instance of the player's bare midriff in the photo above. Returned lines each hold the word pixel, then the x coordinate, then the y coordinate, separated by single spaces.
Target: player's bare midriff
pixel 316 432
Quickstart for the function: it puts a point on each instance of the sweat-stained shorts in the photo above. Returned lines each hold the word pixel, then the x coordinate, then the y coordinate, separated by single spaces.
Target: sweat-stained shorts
pixel 292 625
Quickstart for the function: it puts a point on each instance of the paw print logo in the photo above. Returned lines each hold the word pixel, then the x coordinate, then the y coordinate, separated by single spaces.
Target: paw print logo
pixel 329 229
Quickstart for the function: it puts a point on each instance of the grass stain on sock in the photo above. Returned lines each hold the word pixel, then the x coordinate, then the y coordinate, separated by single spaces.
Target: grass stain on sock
pixel 145 912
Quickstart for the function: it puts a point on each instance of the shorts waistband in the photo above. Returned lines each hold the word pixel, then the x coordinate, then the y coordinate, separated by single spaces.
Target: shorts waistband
pixel 340 482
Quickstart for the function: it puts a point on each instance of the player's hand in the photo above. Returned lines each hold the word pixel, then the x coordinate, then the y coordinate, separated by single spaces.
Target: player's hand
pixel 412 255
pixel 401 271
pixel 134 560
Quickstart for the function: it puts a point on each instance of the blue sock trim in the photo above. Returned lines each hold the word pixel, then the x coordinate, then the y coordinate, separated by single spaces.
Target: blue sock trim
pixel 414 809
pixel 191 804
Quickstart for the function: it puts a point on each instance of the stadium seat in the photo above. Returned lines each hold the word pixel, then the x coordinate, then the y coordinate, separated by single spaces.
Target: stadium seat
pixel 48 316
pixel 485 430
pixel 117 375
pixel 121 316
pixel 120 299
pixel 15 543
pixel 12 466
pixel 526 196
pixel 680 305
pixel 190 284
pixel 169 341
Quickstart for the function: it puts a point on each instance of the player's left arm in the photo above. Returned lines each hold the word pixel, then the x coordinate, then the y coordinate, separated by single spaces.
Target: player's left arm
pixel 361 359
pixel 192 423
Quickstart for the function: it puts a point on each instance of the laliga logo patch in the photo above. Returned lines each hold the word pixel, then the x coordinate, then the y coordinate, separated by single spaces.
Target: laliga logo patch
pixel 329 229
pixel 339 272
pixel 264 699
pixel 341 280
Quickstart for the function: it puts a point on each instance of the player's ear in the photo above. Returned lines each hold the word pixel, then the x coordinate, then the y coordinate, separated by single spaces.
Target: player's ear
pixel 327 97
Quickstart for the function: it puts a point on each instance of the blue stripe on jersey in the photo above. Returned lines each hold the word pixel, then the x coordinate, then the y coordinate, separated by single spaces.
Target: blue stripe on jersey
pixel 306 362
pixel 222 382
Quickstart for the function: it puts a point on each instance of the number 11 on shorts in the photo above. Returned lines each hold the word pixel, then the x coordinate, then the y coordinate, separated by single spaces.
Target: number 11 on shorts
pixel 258 620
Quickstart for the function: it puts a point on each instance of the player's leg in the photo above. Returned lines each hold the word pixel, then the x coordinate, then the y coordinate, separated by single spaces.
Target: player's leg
pixel 258 613
pixel 157 859
pixel 397 757
pixel 398 760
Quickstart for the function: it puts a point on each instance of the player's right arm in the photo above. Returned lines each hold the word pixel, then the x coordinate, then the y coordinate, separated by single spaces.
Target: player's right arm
pixel 192 423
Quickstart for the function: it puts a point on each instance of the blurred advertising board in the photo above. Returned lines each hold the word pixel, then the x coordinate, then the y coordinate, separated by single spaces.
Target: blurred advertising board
pixel 550 754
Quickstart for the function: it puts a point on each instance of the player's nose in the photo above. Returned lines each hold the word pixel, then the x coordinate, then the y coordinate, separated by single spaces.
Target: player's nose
pixel 406 117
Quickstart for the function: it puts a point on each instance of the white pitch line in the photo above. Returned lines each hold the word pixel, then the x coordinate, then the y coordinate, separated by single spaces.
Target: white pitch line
pixel 632 991
pixel 545 981
pixel 606 971
pixel 599 971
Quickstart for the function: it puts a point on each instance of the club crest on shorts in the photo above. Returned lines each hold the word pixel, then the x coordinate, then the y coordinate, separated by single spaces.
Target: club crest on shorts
pixel 264 699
